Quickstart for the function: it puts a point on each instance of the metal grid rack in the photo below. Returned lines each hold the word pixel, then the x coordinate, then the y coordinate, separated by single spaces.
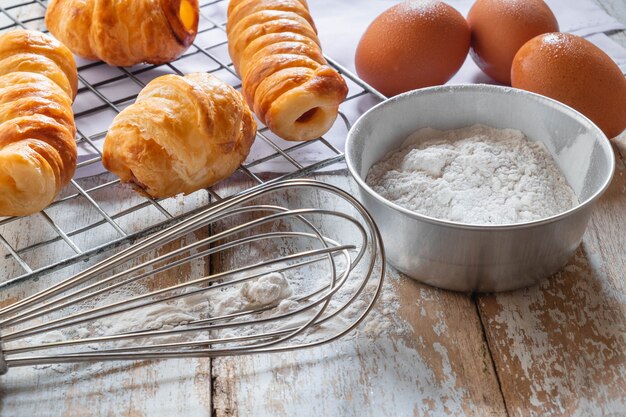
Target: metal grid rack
pixel 95 100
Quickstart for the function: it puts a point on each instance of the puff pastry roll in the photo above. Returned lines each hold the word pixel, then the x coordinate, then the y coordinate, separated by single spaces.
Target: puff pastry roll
pixel 38 82
pixel 124 32
pixel 182 134
pixel 286 80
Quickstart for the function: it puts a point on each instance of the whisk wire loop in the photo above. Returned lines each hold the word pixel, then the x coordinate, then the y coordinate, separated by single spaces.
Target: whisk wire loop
pixel 314 287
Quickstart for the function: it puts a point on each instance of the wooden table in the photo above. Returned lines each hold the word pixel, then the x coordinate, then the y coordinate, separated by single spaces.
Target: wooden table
pixel 558 348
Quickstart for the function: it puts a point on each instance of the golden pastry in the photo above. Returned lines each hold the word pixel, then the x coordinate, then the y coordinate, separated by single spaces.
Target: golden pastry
pixel 182 134
pixel 286 80
pixel 38 82
pixel 124 32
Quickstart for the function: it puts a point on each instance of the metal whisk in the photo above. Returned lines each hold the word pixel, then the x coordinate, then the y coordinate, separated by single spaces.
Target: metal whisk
pixel 311 286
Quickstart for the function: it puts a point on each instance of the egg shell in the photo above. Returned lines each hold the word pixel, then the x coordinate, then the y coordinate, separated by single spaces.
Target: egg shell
pixel 574 71
pixel 412 45
pixel 500 27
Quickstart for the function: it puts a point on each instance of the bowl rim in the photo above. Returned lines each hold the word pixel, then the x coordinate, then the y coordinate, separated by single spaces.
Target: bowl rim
pixel 489 89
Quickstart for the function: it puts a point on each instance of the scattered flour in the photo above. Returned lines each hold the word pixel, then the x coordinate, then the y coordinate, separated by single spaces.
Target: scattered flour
pixel 305 281
pixel 278 294
pixel 476 175
pixel 266 290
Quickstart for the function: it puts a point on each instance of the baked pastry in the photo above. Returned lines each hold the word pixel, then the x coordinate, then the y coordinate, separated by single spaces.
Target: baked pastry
pixel 286 80
pixel 182 134
pixel 124 32
pixel 38 82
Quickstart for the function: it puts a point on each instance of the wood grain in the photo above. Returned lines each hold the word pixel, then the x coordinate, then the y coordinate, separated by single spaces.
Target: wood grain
pixel 559 348
pixel 554 349
pixel 170 387
pixel 422 354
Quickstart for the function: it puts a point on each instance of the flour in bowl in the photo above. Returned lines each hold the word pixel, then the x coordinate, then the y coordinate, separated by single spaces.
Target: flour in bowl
pixel 476 175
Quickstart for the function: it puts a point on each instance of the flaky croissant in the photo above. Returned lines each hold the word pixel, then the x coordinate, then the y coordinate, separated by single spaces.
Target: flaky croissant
pixel 38 82
pixel 182 134
pixel 124 32
pixel 286 80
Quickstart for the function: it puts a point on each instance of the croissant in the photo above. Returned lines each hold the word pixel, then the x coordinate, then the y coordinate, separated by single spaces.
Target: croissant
pixel 124 32
pixel 182 134
pixel 286 80
pixel 38 82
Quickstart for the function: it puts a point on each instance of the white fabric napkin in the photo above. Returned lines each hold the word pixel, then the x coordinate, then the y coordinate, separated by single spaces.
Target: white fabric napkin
pixel 340 24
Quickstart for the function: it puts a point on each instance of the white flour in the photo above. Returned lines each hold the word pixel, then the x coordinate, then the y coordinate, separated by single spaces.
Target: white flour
pixel 476 175
pixel 266 290
pixel 293 285
pixel 278 290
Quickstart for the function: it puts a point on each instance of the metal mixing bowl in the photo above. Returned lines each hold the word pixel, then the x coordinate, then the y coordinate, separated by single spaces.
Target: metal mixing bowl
pixel 465 257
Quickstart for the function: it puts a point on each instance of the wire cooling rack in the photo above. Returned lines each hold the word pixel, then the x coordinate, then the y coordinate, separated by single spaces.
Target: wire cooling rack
pixel 64 237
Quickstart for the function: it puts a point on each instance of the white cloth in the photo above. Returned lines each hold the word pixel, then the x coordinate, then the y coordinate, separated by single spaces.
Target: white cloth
pixel 340 24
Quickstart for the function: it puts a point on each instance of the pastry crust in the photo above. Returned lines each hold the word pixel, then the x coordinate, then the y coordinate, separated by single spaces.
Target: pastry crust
pixel 182 134
pixel 286 80
pixel 38 82
pixel 124 32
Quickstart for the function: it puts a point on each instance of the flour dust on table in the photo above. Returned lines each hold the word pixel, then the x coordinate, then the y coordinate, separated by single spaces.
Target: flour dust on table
pixel 476 175
pixel 283 294
pixel 272 294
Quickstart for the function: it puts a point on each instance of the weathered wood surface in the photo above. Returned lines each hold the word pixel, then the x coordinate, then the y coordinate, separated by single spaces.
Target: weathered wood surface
pixel 554 349
pixel 167 388
pixel 422 354
pixel 560 347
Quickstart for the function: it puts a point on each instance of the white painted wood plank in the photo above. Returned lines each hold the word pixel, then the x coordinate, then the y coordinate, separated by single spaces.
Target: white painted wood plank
pixel 559 348
pixel 440 366
pixel 154 388
pixel 422 354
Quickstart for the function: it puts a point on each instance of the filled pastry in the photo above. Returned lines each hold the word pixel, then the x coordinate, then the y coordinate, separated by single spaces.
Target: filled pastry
pixel 124 32
pixel 182 134
pixel 38 83
pixel 286 80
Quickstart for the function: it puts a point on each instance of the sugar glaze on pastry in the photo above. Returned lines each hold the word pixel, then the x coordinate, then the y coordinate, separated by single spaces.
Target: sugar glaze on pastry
pixel 38 82
pixel 286 80
pixel 124 32
pixel 182 134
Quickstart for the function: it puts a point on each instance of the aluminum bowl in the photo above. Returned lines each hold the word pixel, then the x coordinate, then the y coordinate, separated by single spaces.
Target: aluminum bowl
pixel 466 257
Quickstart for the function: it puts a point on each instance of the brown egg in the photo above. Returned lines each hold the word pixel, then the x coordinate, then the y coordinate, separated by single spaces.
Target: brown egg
pixel 412 45
pixel 500 27
pixel 574 71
